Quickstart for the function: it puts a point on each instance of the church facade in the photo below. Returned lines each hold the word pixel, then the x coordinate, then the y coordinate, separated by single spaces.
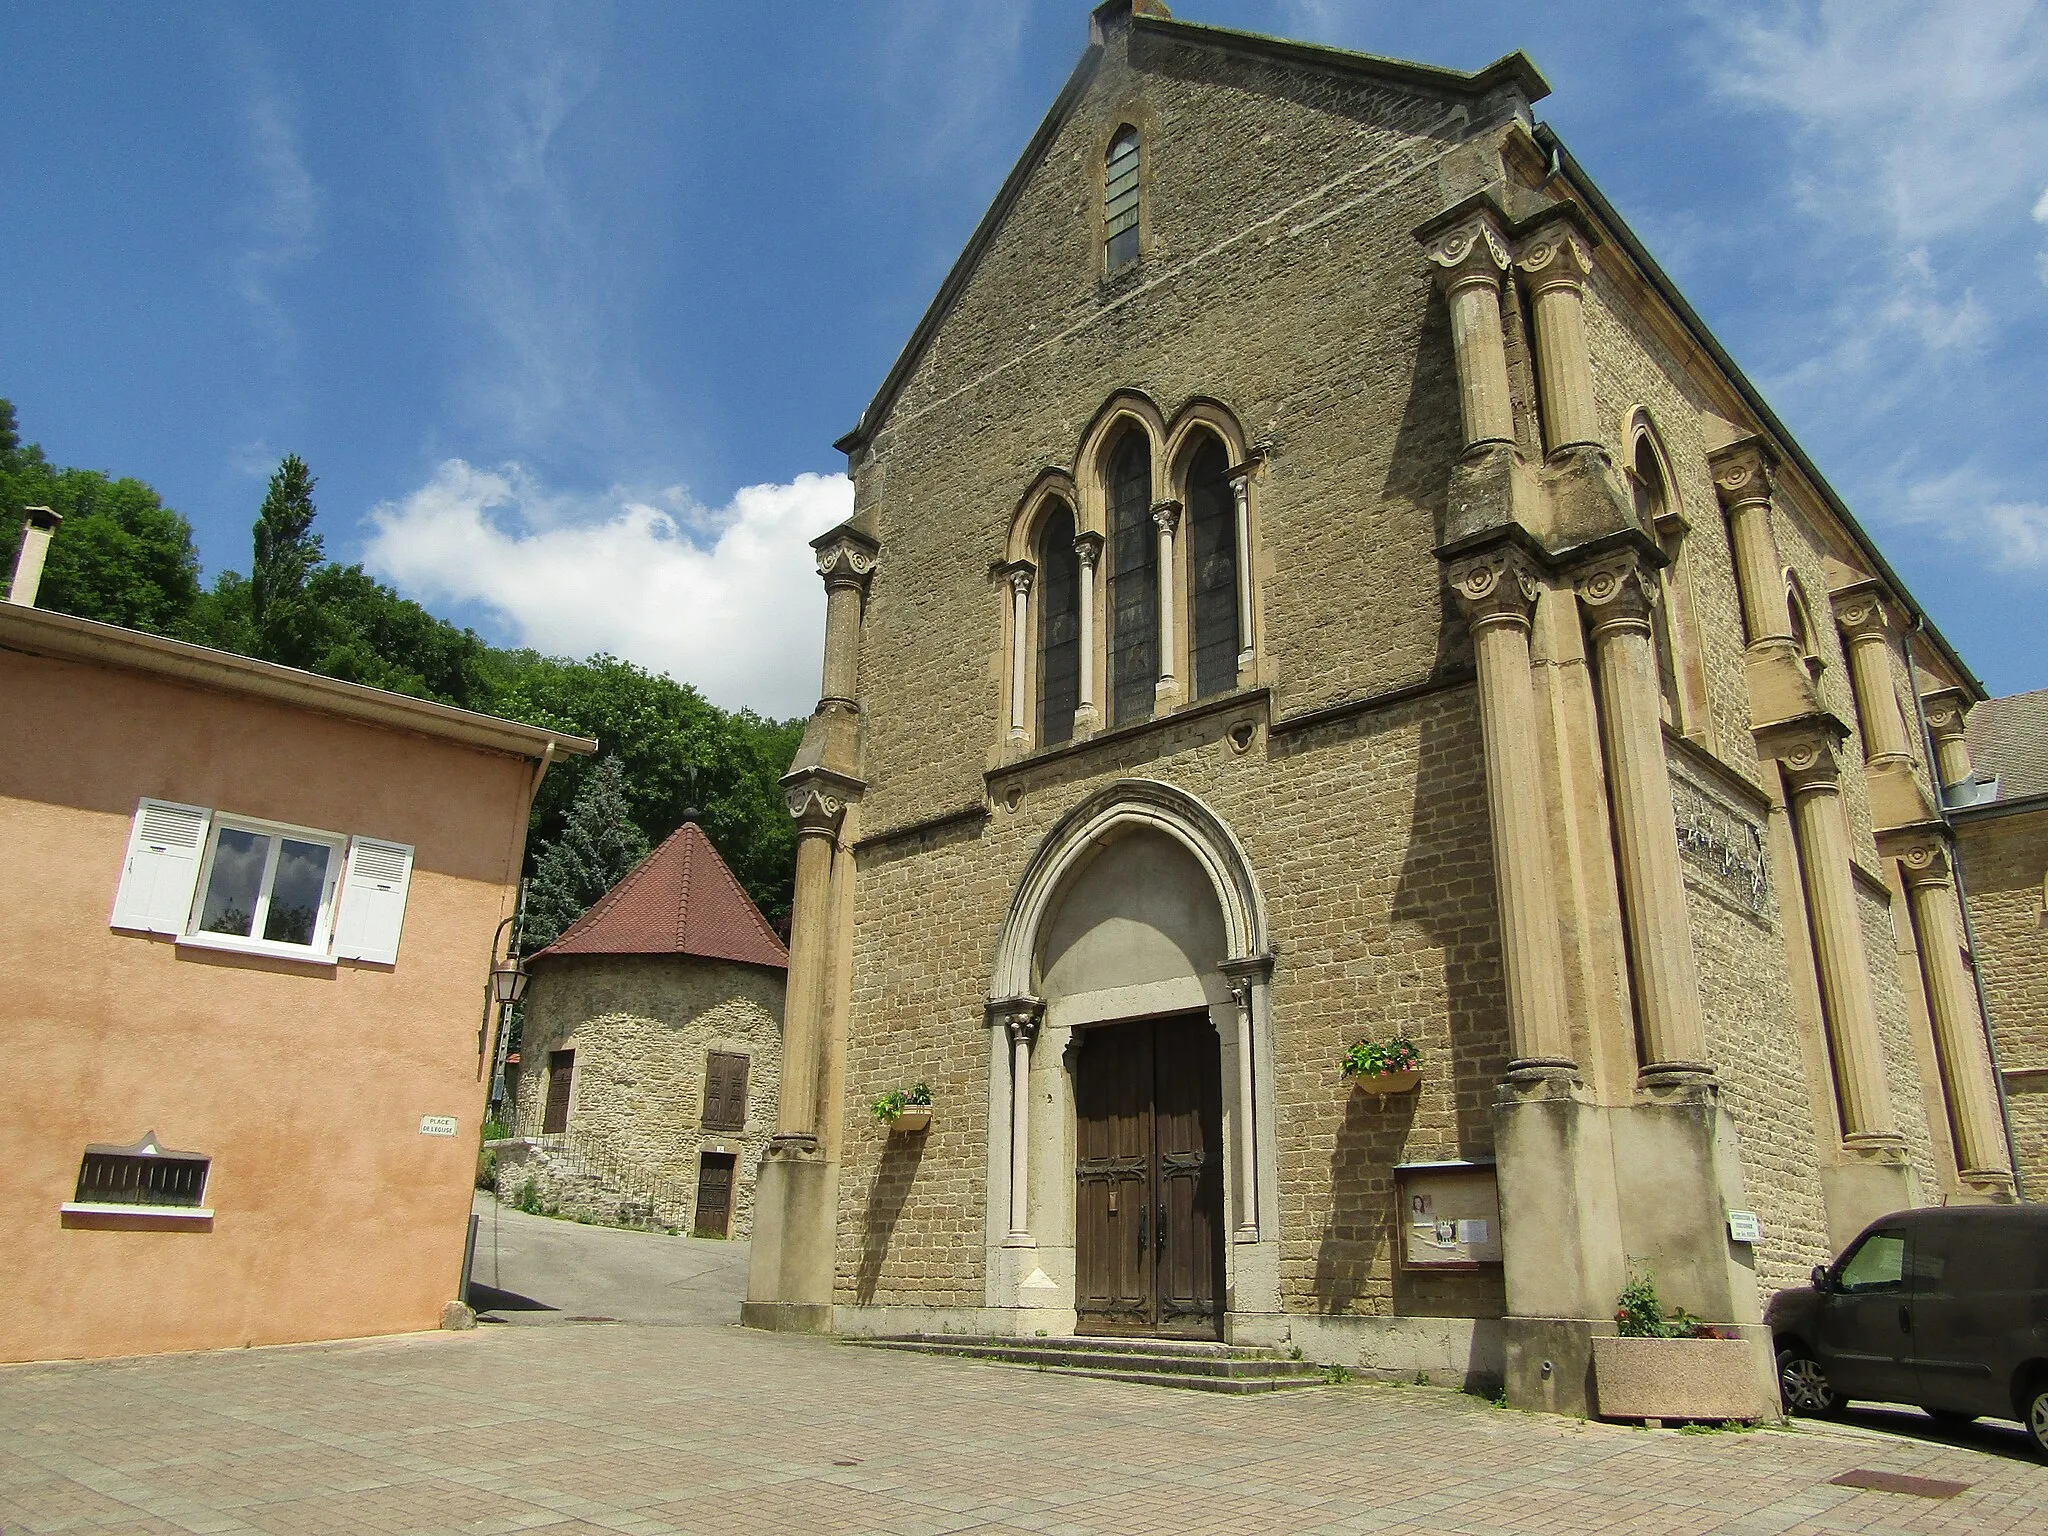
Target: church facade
pixel 1314 581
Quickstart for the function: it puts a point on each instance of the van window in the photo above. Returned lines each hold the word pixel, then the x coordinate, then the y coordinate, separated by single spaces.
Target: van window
pixel 1878 1263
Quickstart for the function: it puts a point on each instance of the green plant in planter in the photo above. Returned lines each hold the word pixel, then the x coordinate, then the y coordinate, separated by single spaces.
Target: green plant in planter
pixel 1639 1314
pixel 896 1100
pixel 1375 1058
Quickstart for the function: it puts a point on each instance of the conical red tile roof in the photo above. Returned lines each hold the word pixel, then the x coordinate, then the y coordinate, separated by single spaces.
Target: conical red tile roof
pixel 679 900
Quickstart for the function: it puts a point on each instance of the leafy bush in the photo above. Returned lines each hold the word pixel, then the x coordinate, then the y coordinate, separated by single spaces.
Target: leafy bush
pixel 896 1100
pixel 1374 1058
pixel 1640 1314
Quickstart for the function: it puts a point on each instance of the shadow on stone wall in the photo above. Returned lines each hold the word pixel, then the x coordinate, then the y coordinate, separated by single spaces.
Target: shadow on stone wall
pixel 1358 1242
pixel 895 1172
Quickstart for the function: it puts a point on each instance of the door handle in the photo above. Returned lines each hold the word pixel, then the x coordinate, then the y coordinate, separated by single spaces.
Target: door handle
pixel 1162 1226
pixel 1905 1319
pixel 1143 1212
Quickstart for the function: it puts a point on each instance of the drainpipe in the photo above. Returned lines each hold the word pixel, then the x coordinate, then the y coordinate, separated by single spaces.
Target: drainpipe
pixel 28 559
pixel 2019 1187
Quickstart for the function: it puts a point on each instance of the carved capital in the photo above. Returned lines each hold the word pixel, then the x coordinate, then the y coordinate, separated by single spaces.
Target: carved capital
pixel 846 557
pixel 1926 861
pixel 1948 711
pixel 1810 764
pixel 1473 251
pixel 1861 611
pixel 1166 516
pixel 1499 585
pixel 1744 473
pixel 1617 592
pixel 1019 576
pixel 1555 255
pixel 1245 975
pixel 1014 1015
pixel 1088 549
pixel 817 805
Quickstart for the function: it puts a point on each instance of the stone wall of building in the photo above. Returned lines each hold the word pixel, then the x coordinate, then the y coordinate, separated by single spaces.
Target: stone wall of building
pixel 1370 843
pixel 1299 298
pixel 641 1027
pixel 2005 865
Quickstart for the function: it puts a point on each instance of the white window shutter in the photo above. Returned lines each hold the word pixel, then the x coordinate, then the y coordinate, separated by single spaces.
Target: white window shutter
pixel 373 901
pixel 165 846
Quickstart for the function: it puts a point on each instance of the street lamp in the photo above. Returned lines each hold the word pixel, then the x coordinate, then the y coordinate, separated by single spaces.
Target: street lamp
pixel 508 981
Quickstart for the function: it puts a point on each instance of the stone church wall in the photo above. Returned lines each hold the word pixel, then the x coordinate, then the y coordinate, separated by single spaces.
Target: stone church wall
pixel 2005 862
pixel 641 1027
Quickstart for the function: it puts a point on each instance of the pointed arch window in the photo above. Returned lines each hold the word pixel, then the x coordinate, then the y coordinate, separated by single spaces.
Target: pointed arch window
pixel 1059 627
pixel 1133 581
pixel 1120 199
pixel 1653 504
pixel 1213 557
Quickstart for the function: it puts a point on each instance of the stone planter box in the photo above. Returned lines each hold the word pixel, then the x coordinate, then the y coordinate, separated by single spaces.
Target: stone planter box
pixel 1388 1082
pixel 911 1118
pixel 1679 1379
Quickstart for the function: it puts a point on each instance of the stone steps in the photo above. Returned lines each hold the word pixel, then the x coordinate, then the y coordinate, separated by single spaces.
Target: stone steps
pixel 1187 1363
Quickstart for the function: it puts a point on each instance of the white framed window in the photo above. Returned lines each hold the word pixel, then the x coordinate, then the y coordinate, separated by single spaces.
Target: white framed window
pixel 221 881
pixel 267 887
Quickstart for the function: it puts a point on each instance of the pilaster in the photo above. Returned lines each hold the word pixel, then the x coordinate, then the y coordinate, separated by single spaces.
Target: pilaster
pixel 1983 1160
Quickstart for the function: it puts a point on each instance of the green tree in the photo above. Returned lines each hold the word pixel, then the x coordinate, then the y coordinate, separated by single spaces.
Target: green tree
pixel 679 752
pixel 288 551
pixel 122 556
pixel 598 844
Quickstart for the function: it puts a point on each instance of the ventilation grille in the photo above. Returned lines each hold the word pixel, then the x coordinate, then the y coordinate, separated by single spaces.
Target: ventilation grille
pixel 383 863
pixel 126 1178
pixel 172 826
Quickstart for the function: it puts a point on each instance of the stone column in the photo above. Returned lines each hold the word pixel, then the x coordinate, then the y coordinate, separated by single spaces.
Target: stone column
pixel 1555 260
pixel 1470 258
pixel 1088 550
pixel 1617 594
pixel 818 812
pixel 1020 646
pixel 1743 482
pixel 1246 977
pixel 1019 1018
pixel 1865 622
pixel 1947 716
pixel 1813 779
pixel 1497 591
pixel 846 561
pixel 1982 1156
pixel 1240 490
pixel 1166 518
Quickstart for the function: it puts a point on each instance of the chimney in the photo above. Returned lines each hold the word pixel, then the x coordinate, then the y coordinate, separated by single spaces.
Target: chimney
pixel 28 560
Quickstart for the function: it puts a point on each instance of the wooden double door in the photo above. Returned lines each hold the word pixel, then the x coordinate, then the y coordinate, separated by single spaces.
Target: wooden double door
pixel 1148 1216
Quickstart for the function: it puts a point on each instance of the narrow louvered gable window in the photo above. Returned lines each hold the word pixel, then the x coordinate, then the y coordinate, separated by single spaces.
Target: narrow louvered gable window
pixel 1120 199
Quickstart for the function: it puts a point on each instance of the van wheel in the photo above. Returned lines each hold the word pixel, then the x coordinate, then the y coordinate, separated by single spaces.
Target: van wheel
pixel 2034 1413
pixel 1805 1385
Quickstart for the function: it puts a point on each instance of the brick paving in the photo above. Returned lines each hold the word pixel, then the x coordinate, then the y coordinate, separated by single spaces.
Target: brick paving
pixel 647 1429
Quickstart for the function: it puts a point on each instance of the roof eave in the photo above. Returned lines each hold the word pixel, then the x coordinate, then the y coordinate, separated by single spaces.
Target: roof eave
pixel 1516 69
pixel 1752 397
pixel 63 636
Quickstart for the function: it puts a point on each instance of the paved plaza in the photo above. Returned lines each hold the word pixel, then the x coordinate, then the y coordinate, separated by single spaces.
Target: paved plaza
pixel 688 1424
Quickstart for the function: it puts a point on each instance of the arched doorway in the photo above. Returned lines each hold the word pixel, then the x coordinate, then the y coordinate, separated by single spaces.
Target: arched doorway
pixel 1131 976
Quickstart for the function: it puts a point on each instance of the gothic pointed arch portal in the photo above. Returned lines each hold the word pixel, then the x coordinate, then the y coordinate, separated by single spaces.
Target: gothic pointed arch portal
pixel 1138 915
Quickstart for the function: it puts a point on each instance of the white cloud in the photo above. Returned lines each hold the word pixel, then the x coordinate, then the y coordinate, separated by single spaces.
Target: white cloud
pixel 726 599
pixel 1966 506
pixel 283 209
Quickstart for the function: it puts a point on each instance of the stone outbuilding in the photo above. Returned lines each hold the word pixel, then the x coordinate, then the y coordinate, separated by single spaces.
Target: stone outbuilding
pixel 1998 802
pixel 651 1056
pixel 1314 579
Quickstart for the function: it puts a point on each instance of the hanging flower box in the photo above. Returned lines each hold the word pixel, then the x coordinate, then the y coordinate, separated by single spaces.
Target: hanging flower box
pixel 1392 1065
pixel 907 1110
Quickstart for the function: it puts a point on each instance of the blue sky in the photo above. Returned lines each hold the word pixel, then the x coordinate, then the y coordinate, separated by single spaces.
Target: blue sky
pixel 565 303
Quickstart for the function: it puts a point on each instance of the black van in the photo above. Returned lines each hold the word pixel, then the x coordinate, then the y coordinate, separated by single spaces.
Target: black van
pixel 1945 1307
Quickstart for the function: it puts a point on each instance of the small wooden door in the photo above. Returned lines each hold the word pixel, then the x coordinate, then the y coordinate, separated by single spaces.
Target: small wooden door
pixel 725 1091
pixel 1148 1213
pixel 714 1195
pixel 561 1075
